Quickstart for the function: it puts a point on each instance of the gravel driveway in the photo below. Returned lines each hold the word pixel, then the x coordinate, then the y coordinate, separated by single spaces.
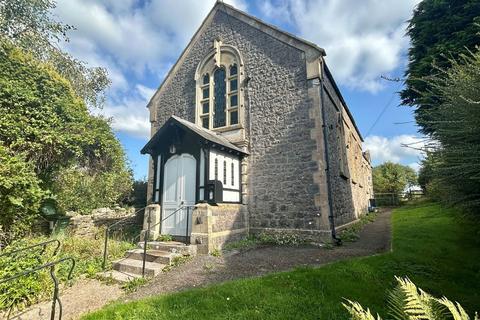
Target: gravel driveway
pixel 205 269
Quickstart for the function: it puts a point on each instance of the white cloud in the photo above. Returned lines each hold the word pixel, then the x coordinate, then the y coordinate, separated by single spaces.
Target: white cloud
pixel 128 38
pixel 404 149
pixel 363 39
pixel 129 114
pixel 415 166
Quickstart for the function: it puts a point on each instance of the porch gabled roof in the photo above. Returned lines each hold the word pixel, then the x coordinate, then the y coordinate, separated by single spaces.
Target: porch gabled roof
pixel 197 130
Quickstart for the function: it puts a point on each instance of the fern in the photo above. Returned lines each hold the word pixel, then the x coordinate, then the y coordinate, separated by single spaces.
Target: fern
pixel 357 312
pixel 407 302
pixel 456 310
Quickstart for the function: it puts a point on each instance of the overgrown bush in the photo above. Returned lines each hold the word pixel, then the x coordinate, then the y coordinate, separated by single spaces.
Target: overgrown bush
pixel 88 254
pixel 454 158
pixel 73 153
pixel 27 289
pixel 20 195
pixel 82 191
pixel 407 302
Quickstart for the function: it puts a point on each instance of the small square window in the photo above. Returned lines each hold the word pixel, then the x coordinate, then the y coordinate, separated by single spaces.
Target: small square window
pixel 205 122
pixel 206 93
pixel 233 117
pixel 233 85
pixel 233 100
pixel 205 107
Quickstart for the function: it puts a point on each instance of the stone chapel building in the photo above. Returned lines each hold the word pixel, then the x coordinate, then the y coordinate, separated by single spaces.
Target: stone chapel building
pixel 250 128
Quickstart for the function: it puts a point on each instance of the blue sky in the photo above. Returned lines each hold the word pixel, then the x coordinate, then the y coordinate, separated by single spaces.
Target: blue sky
pixel 138 41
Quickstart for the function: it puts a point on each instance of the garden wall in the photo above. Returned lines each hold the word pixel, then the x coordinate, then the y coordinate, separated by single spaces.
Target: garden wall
pixel 91 225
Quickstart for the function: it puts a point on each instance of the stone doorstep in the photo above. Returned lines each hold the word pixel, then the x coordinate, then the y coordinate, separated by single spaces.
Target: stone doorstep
pixel 159 256
pixel 171 246
pixel 133 266
pixel 118 276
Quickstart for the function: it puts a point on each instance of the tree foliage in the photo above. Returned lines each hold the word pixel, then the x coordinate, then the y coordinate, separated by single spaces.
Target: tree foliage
pixel 454 161
pixel 439 30
pixel 392 177
pixel 42 118
pixel 31 26
pixel 20 194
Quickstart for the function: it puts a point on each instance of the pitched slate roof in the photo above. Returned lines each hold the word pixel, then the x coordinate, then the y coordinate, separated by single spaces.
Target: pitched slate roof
pixel 206 134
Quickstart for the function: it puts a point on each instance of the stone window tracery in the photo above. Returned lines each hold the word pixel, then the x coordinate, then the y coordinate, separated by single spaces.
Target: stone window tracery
pixel 219 93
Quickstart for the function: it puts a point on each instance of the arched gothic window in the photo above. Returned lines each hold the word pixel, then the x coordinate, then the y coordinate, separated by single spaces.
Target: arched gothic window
pixel 219 98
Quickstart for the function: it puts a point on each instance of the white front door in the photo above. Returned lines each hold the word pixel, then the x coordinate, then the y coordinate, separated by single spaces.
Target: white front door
pixel 178 189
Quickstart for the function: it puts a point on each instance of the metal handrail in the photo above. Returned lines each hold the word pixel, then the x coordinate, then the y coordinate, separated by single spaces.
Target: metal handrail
pixel 107 231
pixel 147 233
pixel 42 244
pixel 50 265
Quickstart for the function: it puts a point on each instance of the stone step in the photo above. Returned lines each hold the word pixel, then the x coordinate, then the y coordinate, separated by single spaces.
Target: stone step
pixel 171 246
pixel 135 267
pixel 159 256
pixel 118 276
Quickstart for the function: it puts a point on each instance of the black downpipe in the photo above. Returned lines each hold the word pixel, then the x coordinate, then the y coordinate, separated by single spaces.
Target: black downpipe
pixel 331 218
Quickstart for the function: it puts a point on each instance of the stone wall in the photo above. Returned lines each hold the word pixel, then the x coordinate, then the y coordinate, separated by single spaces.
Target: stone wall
pixel 214 226
pixel 350 171
pixel 90 225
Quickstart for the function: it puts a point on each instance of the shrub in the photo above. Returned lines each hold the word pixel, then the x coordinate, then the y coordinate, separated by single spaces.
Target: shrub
pixel 82 191
pixel 88 255
pixel 28 289
pixel 72 152
pixel 20 195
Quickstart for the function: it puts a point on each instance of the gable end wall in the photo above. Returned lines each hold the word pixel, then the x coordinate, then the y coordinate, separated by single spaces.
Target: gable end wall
pixel 280 184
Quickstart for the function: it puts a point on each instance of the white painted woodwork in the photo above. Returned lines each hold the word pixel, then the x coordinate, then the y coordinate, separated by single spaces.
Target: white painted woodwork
pixel 226 158
pixel 179 185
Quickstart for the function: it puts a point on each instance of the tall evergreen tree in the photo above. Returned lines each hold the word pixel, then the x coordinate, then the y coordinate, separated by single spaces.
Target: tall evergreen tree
pixel 439 30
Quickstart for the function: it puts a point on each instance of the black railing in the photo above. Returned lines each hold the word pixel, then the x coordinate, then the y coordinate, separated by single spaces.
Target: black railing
pixel 51 265
pixel 146 235
pixel 107 232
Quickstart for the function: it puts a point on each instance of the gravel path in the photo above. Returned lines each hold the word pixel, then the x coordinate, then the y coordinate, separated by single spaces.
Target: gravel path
pixel 83 296
pixel 205 269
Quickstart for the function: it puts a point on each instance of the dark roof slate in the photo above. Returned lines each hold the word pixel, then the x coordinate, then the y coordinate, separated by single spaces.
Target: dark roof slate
pixel 206 134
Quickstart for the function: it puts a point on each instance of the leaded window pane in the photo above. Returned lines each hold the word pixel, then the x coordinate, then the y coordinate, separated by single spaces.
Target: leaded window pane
pixel 233 100
pixel 219 118
pixel 233 174
pixel 206 79
pixel 206 93
pixel 205 122
pixel 205 107
pixel 233 85
pixel 233 70
pixel 233 117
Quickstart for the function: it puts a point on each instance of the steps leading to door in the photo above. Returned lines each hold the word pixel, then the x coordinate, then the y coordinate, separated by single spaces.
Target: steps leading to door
pixel 171 246
pixel 159 254
pixel 133 266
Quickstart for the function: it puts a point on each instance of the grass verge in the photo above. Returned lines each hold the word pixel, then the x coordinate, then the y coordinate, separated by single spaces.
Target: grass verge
pixel 435 249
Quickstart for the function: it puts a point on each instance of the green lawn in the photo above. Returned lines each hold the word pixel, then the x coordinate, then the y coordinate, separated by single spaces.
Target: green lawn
pixel 432 246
